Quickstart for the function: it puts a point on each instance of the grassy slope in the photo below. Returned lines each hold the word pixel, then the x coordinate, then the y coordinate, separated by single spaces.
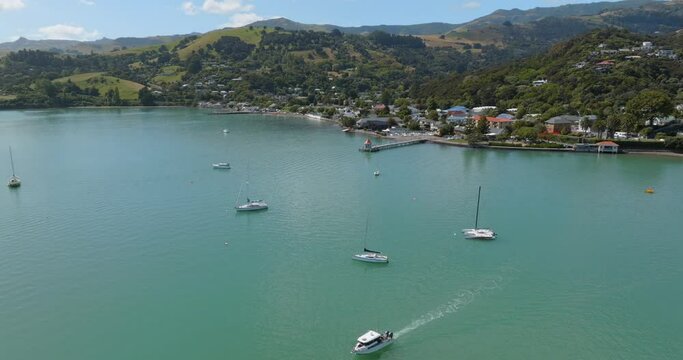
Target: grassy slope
pixel 128 90
pixel 169 75
pixel 246 35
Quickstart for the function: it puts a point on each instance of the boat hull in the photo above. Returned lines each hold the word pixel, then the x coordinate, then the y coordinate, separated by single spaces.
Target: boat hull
pixel 251 208
pixel 479 234
pixel 14 182
pixel 371 258
pixel 370 350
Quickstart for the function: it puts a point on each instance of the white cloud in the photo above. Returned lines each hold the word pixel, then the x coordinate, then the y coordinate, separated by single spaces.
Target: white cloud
pixel 217 7
pixel 242 19
pixel 87 2
pixel 471 5
pixel 11 4
pixel 67 32
pixel 189 8
pixel 225 6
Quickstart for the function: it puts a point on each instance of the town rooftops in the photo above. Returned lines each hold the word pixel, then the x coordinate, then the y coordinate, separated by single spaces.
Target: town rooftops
pixel 493 119
pixel 564 119
pixel 458 109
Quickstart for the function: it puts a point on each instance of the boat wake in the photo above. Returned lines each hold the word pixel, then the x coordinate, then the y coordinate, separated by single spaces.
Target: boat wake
pixel 462 299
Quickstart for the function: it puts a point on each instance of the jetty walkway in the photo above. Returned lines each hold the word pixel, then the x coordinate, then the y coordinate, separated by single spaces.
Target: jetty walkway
pixel 368 147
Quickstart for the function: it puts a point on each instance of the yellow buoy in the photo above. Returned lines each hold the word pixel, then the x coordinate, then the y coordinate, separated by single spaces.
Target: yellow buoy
pixel 650 190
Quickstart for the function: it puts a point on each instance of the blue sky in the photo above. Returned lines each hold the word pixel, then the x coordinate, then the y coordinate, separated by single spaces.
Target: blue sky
pixel 94 19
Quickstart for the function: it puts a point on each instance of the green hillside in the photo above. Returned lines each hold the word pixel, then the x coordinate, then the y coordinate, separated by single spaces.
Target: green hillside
pixel 595 73
pixel 246 34
pixel 517 16
pixel 128 90
pixel 169 75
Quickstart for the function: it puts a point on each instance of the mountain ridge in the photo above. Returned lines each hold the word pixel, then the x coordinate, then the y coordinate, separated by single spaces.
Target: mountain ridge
pixel 616 11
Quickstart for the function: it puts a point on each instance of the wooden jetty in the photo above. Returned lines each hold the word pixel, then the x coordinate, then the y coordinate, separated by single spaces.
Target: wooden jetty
pixel 368 147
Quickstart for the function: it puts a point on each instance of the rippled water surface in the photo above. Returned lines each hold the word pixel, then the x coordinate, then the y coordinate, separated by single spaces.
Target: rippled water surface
pixel 122 244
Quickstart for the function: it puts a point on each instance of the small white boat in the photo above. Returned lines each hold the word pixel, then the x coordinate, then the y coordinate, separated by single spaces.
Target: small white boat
pixel 252 205
pixel 346 130
pixel 372 341
pixel 225 131
pixel 376 173
pixel 477 233
pixel 14 181
pixel 221 165
pixel 371 257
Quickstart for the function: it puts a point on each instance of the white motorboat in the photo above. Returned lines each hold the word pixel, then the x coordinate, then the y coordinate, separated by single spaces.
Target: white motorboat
pixel 225 131
pixel 221 165
pixel 477 233
pixel 376 173
pixel 372 341
pixel 14 181
pixel 371 256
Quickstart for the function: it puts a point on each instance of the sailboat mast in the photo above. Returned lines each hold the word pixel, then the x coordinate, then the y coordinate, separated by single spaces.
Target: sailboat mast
pixel 476 219
pixel 237 201
pixel 11 160
pixel 365 237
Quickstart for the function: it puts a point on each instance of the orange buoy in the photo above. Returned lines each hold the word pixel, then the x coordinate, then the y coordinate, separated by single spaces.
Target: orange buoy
pixel 650 190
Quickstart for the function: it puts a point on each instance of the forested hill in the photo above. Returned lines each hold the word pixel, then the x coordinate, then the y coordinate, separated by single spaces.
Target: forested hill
pixel 273 65
pixel 249 63
pixel 415 29
pixel 517 16
pixel 595 73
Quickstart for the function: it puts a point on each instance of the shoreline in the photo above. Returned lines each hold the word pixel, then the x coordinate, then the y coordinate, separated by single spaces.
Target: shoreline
pixel 429 139
pixel 653 153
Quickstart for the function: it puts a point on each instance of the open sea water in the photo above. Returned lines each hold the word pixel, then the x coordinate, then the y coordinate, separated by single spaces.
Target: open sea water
pixel 122 243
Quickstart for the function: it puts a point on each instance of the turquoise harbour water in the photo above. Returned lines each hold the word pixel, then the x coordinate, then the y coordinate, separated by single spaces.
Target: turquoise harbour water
pixel 122 243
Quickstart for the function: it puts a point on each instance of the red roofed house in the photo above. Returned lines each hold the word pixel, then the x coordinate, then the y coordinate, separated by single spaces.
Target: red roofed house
pixel 494 122
pixel 608 147
pixel 604 65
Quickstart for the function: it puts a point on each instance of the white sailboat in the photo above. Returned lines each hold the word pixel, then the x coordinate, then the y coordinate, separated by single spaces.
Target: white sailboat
pixel 368 255
pixel 477 233
pixel 221 165
pixel 250 205
pixel 14 181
